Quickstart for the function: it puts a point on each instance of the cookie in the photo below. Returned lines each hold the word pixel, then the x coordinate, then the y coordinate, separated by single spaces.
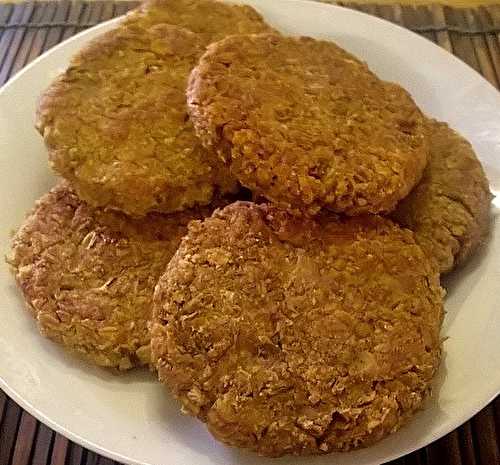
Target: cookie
pixel 293 336
pixel 212 19
pixel 116 126
pixel 88 275
pixel 307 125
pixel 449 210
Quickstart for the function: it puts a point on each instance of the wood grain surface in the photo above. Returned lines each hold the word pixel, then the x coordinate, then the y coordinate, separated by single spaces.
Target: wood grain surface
pixel 28 29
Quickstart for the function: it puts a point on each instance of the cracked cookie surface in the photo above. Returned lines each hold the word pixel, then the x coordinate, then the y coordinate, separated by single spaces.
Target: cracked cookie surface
pixel 293 336
pixel 307 125
pixel 449 208
pixel 88 275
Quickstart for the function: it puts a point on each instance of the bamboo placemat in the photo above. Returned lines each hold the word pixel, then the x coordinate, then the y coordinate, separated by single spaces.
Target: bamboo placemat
pixel 29 29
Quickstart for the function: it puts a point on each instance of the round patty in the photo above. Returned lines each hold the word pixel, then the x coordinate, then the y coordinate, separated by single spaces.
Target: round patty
pixel 305 124
pixel 449 209
pixel 88 275
pixel 290 336
pixel 116 124
pixel 212 19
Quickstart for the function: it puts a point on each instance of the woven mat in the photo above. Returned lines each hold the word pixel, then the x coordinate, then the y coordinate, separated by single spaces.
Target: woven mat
pixel 28 29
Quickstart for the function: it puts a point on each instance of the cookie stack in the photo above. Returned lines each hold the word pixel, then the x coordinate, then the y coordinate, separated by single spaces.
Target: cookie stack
pixel 302 322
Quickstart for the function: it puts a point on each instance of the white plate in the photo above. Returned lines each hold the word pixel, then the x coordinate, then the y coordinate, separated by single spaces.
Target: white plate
pixel 130 418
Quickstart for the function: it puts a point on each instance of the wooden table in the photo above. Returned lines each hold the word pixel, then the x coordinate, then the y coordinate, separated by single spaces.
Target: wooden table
pixel 28 29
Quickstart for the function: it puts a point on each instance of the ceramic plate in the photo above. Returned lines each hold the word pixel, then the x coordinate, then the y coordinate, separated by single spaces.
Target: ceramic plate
pixel 130 418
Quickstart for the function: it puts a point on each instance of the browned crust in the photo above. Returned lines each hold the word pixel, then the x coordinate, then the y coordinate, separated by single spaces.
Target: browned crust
pixel 88 275
pixel 305 124
pixel 449 210
pixel 292 336
pixel 116 124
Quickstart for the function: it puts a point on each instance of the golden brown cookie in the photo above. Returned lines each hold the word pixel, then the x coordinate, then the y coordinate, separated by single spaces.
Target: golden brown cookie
pixel 449 209
pixel 212 19
pixel 305 124
pixel 116 126
pixel 88 275
pixel 292 336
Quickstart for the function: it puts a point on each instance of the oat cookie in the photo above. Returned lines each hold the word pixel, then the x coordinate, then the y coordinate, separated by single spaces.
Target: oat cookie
pixel 449 209
pixel 292 336
pixel 305 124
pixel 88 275
pixel 116 125
pixel 212 19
